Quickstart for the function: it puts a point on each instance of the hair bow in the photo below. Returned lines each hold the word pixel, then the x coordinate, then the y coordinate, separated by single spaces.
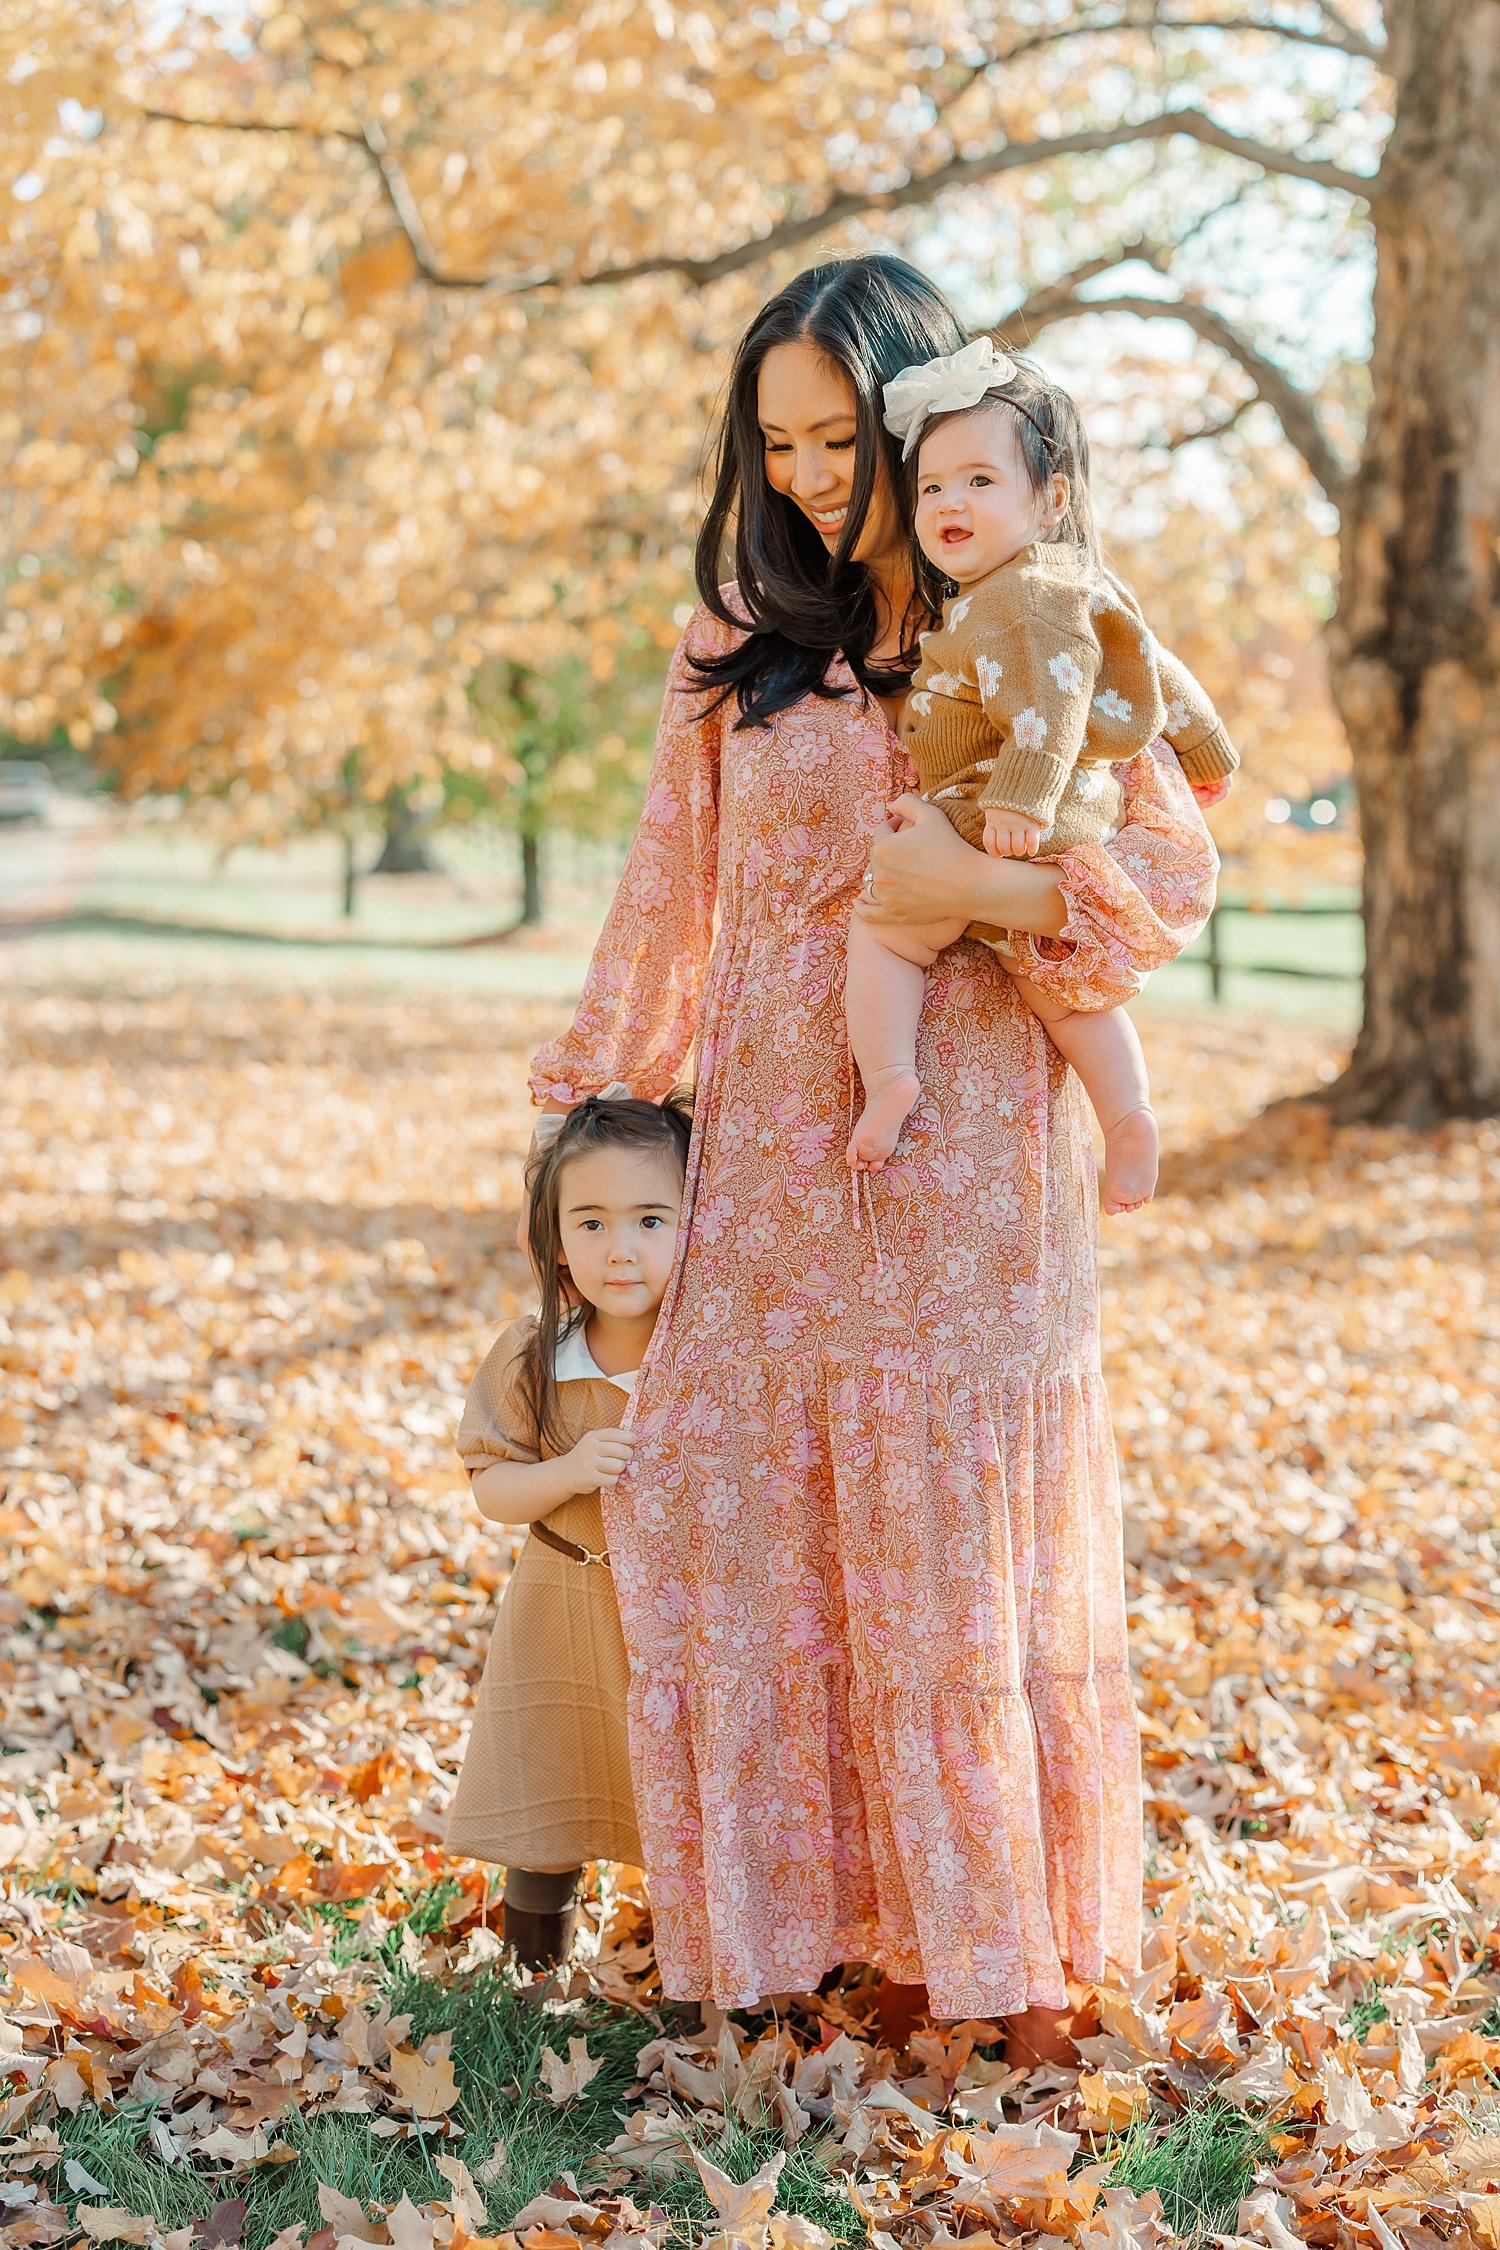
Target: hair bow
pixel 939 386
pixel 552 1121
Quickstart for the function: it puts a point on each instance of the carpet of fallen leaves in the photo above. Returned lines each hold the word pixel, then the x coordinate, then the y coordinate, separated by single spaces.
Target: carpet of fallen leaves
pixel 253 1242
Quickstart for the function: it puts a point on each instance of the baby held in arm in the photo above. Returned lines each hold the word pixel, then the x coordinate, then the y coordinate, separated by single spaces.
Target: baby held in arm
pixel 1041 680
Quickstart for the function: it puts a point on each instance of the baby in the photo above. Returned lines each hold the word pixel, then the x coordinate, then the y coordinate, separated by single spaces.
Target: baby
pixel 1041 679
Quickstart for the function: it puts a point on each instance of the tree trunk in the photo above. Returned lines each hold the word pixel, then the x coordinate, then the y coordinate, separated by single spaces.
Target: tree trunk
pixel 531 880
pixel 351 876
pixel 1415 648
pixel 404 851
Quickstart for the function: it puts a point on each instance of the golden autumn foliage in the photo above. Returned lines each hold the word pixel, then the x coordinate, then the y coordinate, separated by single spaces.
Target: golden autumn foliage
pixel 355 350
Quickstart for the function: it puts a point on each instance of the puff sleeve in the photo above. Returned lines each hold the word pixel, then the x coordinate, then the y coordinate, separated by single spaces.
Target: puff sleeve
pixel 494 1423
pixel 1134 903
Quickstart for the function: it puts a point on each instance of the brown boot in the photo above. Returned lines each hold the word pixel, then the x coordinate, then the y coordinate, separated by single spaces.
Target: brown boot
pixel 538 1940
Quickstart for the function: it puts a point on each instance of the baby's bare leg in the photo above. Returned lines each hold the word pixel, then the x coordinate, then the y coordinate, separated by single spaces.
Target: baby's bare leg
pixel 1105 1050
pixel 887 973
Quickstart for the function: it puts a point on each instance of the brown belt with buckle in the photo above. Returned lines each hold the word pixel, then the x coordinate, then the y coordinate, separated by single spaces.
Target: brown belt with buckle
pixel 566 1547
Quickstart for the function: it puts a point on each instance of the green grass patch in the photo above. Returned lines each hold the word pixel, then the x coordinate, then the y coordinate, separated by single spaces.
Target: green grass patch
pixel 1200 2163
pixel 497 2043
pixel 806 2184
pixel 1365 2012
pixel 115 2148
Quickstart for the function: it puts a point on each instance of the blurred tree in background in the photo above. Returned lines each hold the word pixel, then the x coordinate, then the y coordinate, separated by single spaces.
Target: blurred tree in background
pixel 359 360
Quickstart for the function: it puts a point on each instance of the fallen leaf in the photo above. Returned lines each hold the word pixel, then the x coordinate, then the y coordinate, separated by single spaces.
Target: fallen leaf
pixel 407 2228
pixel 467 2200
pixel 425 2082
pixel 565 2081
pixel 347 2217
pixel 555 2211
pixel 106 2222
pixel 1112 2100
pixel 743 2207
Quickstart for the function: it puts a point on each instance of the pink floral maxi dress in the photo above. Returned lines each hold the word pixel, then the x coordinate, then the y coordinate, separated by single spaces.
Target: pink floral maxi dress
pixel 868 1551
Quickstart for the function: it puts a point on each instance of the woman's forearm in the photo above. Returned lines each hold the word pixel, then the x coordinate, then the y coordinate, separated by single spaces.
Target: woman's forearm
pixel 1018 894
pixel 922 871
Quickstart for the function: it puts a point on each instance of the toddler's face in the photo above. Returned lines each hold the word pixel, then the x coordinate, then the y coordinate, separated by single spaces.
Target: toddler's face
pixel 618 1211
pixel 976 507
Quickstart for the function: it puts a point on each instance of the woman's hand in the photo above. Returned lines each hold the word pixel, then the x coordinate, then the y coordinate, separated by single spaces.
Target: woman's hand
pixel 924 872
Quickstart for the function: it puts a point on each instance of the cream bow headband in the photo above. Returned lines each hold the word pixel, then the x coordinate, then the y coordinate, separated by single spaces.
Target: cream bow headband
pixel 552 1121
pixel 939 386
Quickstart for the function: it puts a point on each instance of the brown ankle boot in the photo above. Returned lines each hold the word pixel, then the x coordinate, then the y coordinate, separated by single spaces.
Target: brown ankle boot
pixel 539 1941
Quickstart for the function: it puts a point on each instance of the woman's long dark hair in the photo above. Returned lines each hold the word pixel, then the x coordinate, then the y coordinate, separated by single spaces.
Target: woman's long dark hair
pixel 661 1128
pixel 869 317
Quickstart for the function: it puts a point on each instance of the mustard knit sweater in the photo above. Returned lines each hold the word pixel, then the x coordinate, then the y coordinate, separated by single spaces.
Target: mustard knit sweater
pixel 1043 677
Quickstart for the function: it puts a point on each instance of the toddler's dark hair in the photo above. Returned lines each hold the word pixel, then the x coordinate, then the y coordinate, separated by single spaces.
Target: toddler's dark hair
pixel 1053 443
pixel 663 1128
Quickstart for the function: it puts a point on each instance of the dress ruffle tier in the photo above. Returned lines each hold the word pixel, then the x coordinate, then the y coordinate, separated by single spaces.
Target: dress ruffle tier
pixel 907 1741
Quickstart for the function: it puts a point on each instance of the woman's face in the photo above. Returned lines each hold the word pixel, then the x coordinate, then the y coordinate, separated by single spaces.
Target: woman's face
pixel 806 409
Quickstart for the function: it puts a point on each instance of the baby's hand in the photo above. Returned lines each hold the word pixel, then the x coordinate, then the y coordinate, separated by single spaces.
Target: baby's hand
pixel 1009 834
pixel 1210 792
pixel 598 1460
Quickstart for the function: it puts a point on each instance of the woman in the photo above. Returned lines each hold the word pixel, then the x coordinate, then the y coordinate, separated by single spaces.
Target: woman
pixel 868 1548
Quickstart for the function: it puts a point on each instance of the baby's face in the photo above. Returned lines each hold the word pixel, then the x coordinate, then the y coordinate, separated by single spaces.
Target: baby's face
pixel 976 507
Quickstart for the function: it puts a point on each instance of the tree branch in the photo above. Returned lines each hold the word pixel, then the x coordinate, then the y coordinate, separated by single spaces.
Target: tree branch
pixel 1055 300
pixel 1177 439
pixel 1293 408
pixel 255 125
pixel 1335 15
pixel 1339 34
pixel 961 171
pixel 1199 127
pixel 408 216
pixel 922 187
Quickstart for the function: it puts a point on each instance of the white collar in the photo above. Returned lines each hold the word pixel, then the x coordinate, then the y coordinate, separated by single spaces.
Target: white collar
pixel 575 1363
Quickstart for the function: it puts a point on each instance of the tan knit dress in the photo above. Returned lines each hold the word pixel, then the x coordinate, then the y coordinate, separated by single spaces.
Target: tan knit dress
pixel 546 1778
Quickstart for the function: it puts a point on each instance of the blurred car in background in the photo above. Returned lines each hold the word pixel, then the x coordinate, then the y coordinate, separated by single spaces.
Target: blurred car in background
pixel 26 790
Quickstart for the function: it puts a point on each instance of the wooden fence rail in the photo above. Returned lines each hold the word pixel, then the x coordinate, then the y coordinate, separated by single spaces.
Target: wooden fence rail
pixel 1218 966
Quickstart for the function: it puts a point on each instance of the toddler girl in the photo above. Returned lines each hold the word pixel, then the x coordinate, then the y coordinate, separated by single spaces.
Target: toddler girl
pixel 545 1784
pixel 1041 679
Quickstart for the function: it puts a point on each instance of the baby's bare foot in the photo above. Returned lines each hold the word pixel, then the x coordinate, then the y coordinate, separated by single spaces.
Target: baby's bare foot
pixel 890 1097
pixel 1130 1152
